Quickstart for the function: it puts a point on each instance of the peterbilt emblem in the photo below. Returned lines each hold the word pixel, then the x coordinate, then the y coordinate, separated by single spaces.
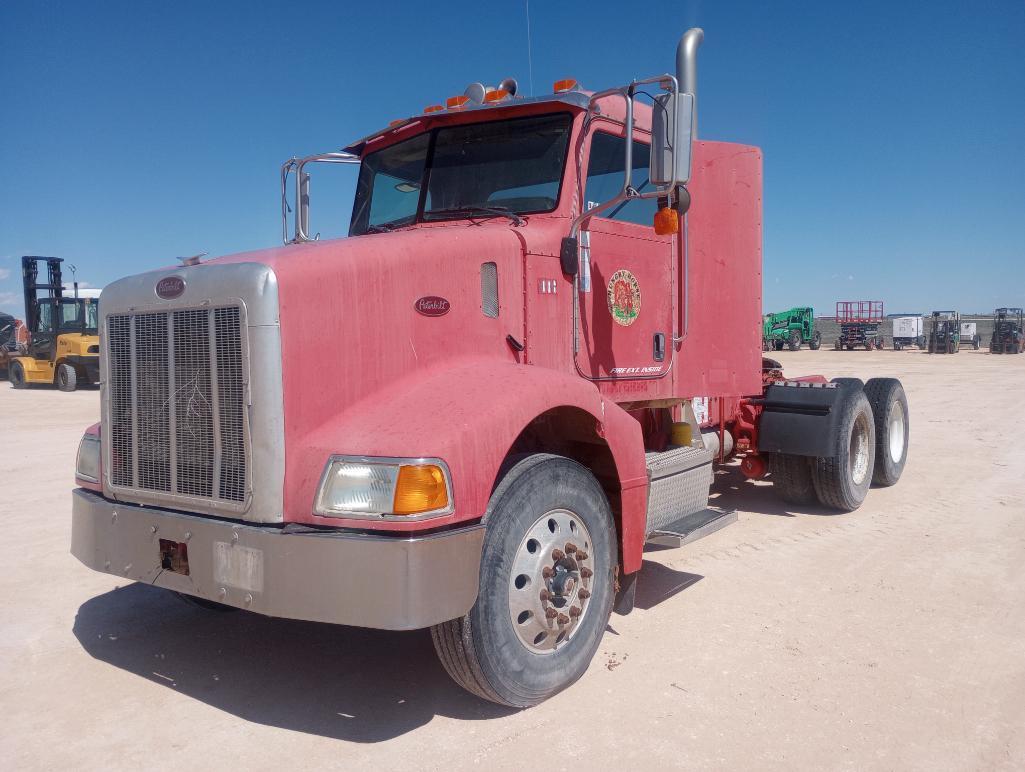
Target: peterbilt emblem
pixel 170 287
pixel 432 305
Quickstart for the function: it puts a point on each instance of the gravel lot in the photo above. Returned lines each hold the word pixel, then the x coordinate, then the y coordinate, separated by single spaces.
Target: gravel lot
pixel 890 638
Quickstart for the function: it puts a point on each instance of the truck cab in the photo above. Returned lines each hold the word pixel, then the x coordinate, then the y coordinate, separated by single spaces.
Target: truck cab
pixel 472 412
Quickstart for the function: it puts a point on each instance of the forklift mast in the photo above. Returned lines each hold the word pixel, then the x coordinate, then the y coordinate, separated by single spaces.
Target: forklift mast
pixel 53 287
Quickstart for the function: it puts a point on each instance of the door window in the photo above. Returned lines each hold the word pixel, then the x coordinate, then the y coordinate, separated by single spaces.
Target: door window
pixel 605 179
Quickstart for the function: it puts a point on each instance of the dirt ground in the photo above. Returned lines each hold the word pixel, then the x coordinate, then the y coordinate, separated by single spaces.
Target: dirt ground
pixel 890 638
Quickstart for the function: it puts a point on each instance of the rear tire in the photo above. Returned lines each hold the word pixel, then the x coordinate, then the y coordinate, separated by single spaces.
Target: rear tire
pixel 843 479
pixel 493 651
pixel 794 342
pixel 816 341
pixel 791 477
pixel 16 374
pixel 890 411
pixel 67 377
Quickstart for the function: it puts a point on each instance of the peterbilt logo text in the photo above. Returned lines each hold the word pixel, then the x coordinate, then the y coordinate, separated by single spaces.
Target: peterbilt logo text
pixel 432 305
pixel 170 287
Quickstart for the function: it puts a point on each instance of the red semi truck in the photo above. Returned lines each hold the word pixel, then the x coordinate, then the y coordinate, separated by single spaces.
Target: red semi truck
pixel 473 413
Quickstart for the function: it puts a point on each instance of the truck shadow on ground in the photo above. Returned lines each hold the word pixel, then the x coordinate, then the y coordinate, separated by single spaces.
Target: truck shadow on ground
pixel 732 490
pixel 658 583
pixel 346 683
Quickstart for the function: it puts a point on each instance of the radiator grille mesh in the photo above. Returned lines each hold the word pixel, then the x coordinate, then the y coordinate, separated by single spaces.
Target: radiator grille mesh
pixel 176 403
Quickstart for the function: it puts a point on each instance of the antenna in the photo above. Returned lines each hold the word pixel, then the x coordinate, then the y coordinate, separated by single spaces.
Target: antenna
pixel 530 63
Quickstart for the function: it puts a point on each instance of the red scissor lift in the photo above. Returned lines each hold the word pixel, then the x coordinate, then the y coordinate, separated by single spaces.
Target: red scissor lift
pixel 859 322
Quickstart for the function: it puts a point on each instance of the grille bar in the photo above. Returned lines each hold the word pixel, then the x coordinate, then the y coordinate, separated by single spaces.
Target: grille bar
pixel 176 404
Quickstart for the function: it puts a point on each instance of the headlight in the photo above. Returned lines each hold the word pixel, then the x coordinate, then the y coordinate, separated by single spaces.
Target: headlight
pixel 87 465
pixel 384 488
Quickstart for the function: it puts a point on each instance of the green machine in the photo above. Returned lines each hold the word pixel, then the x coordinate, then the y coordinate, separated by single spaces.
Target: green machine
pixel 790 328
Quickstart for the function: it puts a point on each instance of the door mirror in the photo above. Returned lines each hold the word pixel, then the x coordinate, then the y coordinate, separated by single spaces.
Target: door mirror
pixel 672 128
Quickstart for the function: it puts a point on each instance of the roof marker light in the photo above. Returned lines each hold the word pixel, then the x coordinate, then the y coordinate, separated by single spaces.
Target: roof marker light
pixel 496 96
pixel 457 102
pixel 566 84
pixel 396 122
pixel 434 108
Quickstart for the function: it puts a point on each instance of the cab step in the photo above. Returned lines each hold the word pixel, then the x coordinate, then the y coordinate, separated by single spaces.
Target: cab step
pixel 692 527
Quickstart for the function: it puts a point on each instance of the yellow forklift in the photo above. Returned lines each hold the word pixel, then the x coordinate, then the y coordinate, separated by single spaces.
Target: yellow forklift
pixel 63 347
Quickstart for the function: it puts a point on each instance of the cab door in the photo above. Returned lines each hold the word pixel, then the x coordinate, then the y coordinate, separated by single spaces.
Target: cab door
pixel 626 275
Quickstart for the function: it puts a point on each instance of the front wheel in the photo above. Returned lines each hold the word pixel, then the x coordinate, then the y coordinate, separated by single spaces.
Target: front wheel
pixel 546 586
pixel 67 377
pixel 16 374
pixel 794 343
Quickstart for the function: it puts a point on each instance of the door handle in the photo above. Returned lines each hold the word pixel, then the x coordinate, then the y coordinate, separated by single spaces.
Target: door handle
pixel 659 347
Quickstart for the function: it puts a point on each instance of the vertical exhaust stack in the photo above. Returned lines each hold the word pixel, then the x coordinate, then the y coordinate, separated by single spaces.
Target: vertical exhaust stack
pixel 687 66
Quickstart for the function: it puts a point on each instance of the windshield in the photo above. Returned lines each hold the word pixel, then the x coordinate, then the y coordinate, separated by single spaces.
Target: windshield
pixel 79 315
pixel 479 169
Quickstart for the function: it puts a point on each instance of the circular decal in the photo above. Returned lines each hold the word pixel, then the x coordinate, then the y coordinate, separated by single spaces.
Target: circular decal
pixel 624 297
pixel 170 287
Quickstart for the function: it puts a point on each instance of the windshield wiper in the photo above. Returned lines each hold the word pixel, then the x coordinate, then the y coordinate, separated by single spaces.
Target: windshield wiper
pixel 494 211
pixel 385 227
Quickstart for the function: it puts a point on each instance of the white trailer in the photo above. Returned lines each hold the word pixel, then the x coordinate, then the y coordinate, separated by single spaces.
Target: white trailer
pixel 969 334
pixel 908 331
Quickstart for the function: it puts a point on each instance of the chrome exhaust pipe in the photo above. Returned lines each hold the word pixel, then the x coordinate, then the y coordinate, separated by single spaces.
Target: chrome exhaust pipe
pixel 687 66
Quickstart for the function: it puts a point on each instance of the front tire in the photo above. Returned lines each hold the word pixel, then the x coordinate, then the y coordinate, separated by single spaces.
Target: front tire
pixel 67 377
pixel 842 480
pixel 16 374
pixel 546 586
pixel 816 341
pixel 794 343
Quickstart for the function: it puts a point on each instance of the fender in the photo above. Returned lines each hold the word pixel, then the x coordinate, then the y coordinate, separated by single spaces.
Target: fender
pixel 468 413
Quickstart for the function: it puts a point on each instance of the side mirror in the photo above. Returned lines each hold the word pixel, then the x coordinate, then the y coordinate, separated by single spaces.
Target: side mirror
pixel 672 129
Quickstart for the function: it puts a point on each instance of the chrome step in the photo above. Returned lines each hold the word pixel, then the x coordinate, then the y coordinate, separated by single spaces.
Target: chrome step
pixel 692 527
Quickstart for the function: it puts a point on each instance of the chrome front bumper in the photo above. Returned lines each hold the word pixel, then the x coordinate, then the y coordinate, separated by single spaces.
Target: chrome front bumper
pixel 386 582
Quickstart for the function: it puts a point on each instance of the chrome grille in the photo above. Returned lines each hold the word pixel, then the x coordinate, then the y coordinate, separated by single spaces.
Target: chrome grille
pixel 176 403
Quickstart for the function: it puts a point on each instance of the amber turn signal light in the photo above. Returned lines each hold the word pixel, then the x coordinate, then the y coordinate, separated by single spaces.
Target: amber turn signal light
pixel 667 222
pixel 566 84
pixel 420 489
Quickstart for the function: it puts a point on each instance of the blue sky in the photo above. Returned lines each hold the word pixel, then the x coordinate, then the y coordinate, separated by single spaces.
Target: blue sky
pixel 893 132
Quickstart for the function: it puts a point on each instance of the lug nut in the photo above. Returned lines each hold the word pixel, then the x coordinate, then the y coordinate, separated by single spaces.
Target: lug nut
pixel 586 573
pixel 558 555
pixel 551 613
pixel 545 596
pixel 581 555
pixel 574 611
pixel 563 619
pixel 584 594
pixel 570 548
pixel 547 572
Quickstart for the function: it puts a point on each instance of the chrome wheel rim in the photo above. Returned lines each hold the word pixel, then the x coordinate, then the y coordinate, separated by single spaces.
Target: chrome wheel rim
pixel 896 432
pixel 551 581
pixel 859 451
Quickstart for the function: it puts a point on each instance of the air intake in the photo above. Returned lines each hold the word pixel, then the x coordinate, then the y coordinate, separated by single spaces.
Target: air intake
pixel 489 289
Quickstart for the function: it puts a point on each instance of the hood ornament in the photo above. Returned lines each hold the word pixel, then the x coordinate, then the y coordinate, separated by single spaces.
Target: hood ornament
pixel 193 259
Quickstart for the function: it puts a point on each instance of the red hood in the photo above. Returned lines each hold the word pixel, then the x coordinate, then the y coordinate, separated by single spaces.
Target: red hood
pixel 348 322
